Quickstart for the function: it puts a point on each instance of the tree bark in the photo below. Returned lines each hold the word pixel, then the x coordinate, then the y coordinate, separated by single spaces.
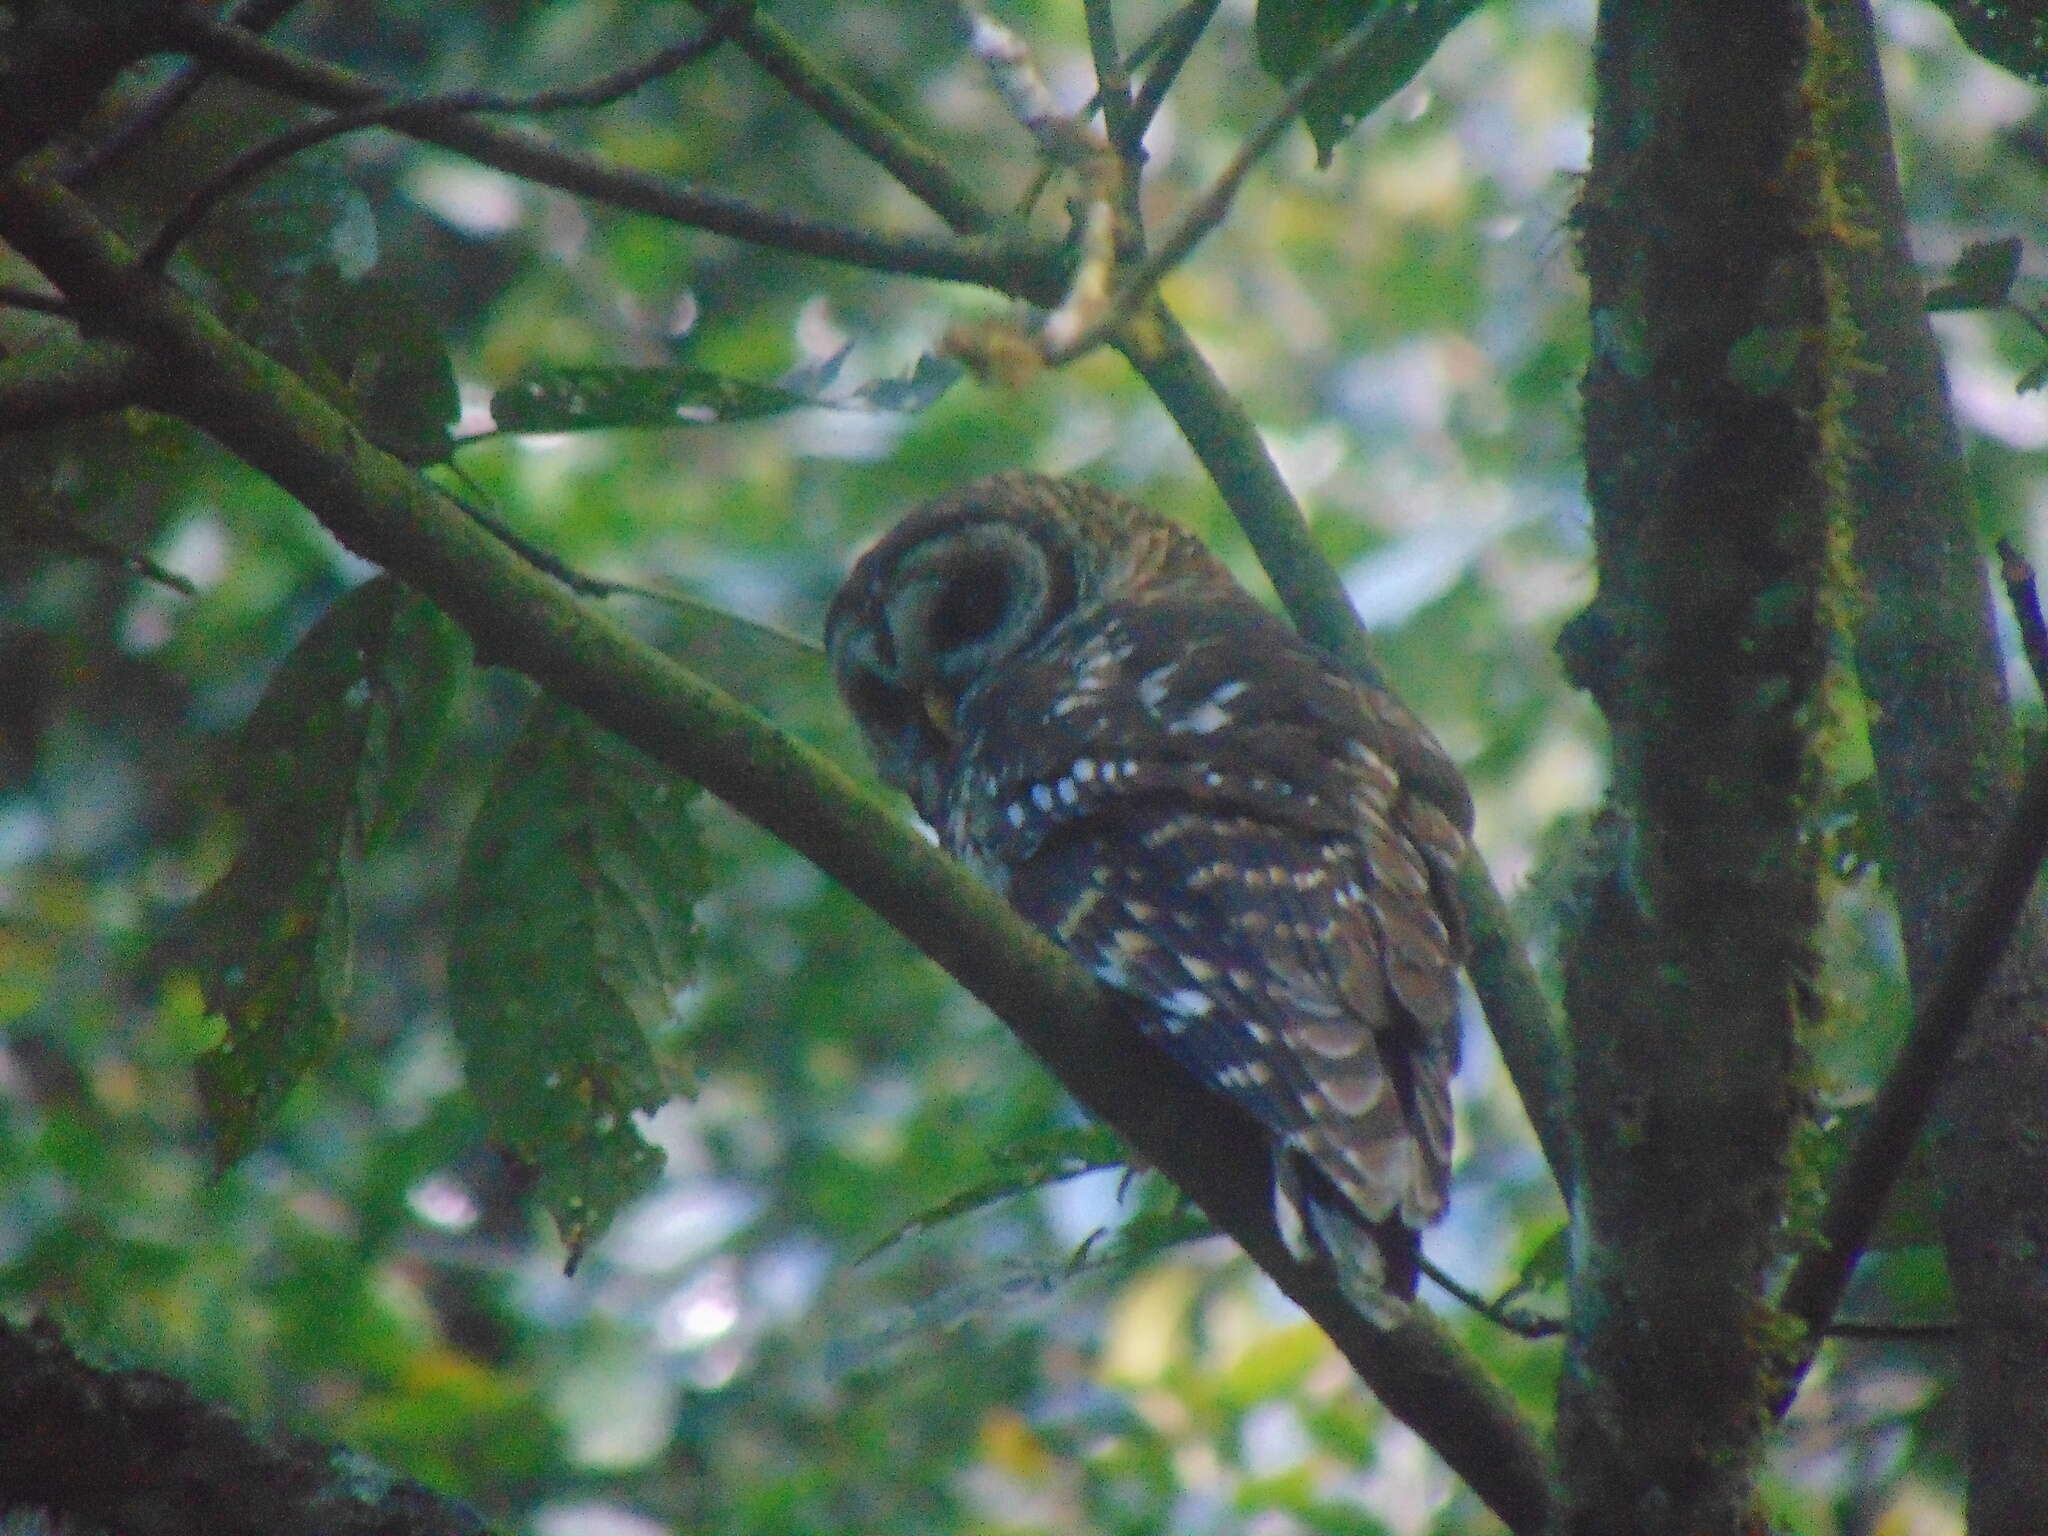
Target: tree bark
pixel 1941 735
pixel 1707 446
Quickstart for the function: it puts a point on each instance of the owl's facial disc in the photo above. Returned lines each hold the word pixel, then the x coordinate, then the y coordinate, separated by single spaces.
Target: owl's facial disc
pixel 959 605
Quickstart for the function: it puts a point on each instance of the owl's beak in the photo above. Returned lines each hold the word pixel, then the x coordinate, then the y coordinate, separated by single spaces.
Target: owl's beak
pixel 938 710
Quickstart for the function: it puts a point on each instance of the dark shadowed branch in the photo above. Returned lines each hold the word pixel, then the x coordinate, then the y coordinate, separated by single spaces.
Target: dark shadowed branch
pixel 1022 267
pixel 2023 593
pixel 1969 962
pixel 1941 738
pixel 62 381
pixel 149 117
pixel 138 1450
pixel 252 164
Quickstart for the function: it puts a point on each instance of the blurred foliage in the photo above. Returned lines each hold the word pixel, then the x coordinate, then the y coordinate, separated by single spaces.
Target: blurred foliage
pixel 1407 328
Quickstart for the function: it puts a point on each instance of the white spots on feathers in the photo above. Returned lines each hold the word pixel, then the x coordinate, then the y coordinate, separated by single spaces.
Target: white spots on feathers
pixel 1153 685
pixel 1200 721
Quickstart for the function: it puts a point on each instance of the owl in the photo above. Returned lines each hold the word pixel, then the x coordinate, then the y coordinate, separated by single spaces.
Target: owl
pixel 1255 846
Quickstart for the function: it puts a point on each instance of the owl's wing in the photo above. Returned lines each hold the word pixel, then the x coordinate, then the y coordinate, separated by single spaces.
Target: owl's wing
pixel 1286 972
pixel 1209 815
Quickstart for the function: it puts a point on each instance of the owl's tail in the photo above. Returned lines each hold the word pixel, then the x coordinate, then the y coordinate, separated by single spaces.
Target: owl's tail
pixel 1375 1262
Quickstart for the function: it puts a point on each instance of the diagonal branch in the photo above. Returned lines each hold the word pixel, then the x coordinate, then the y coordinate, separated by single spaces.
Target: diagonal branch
pixel 137 1450
pixel 1027 269
pixel 1814 1289
pixel 1208 210
pixel 385 512
pixel 426 110
pixel 1178 35
pixel 64 381
pixel 1112 81
pixel 859 121
pixel 255 16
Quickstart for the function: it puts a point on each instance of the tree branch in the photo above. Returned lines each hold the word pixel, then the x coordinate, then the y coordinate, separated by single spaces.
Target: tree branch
pixel 1208 210
pixel 426 111
pixel 2023 595
pixel 1814 1289
pixel 64 381
pixel 137 1450
pixel 1024 268
pixel 1227 442
pixel 1928 659
pixel 1711 422
pixel 860 122
pixel 1178 35
pixel 1112 82
pixel 255 16
pixel 386 513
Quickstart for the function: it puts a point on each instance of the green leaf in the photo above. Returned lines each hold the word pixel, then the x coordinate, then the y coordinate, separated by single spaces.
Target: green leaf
pixel 2007 32
pixel 1982 277
pixel 2033 379
pixel 414 676
pixel 1294 35
pixel 590 399
pixel 341 740
pixel 378 354
pixel 572 936
pixel 273 933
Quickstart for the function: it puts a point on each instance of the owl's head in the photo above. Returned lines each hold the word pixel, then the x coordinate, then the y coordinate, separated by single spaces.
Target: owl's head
pixel 966 583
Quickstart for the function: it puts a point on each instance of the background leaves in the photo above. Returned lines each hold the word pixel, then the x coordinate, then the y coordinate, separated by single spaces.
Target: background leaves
pixel 1406 327
pixel 572 937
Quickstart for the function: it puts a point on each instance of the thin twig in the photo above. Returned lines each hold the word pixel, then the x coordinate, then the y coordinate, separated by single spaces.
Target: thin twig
pixel 1112 83
pixel 917 169
pixel 1026 269
pixel 1498 1312
pixel 28 298
pixel 1863 1183
pixel 1895 1333
pixel 1180 32
pixel 2020 591
pixel 1207 211
pixel 1170 41
pixel 257 162
pixel 255 16
pixel 52 533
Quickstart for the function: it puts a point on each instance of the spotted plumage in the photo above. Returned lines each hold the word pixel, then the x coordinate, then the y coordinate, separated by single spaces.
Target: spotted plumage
pixel 1212 817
